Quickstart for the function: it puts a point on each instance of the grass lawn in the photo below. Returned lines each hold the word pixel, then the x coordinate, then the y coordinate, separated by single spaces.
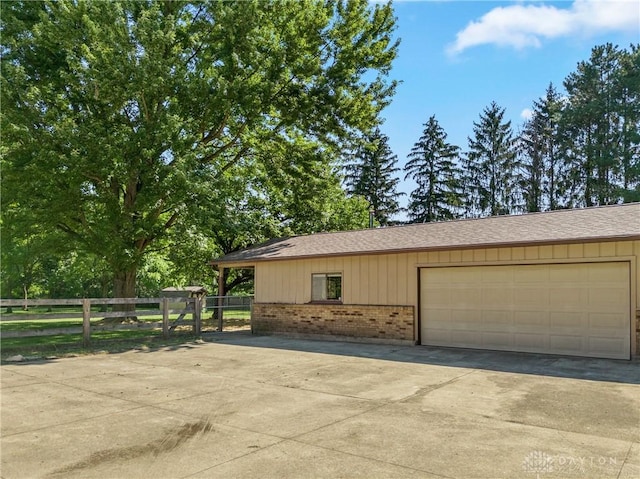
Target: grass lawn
pixel 231 318
pixel 111 340
pixel 39 324
pixel 62 345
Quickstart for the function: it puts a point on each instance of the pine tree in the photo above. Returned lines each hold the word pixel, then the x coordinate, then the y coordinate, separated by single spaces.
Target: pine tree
pixel 432 165
pixel 372 175
pixel 627 94
pixel 490 183
pixel 541 165
pixel 599 124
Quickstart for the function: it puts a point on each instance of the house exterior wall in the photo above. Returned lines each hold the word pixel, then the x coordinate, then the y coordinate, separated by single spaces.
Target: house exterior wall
pixel 355 321
pixel 392 279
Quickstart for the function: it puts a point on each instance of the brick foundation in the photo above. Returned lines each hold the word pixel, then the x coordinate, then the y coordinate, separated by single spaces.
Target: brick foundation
pixel 339 320
pixel 638 333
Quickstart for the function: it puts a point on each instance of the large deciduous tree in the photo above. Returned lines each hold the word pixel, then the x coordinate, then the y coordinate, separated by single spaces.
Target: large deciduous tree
pixel 118 118
pixel 433 165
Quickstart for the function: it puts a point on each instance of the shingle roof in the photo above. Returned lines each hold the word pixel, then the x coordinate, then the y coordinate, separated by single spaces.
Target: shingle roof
pixel 562 226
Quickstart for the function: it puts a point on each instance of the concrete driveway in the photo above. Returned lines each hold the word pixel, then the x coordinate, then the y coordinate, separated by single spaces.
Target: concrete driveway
pixel 244 406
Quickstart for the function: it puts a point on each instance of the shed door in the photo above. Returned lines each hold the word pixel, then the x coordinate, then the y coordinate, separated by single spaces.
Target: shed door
pixel 579 309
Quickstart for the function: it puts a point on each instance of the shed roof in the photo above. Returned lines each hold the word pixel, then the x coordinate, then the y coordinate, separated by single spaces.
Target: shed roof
pixel 185 289
pixel 604 223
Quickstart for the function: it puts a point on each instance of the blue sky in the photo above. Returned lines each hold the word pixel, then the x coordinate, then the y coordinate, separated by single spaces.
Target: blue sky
pixel 456 57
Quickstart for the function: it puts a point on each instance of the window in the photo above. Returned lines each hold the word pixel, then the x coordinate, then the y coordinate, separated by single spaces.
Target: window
pixel 326 287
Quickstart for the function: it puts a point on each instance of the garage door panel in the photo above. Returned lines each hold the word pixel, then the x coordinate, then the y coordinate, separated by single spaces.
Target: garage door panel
pixel 497 340
pixel 441 298
pixel 569 274
pixel 458 294
pixel 465 315
pixel 577 309
pixel 569 344
pixel 464 275
pixel 531 321
pixel 607 324
pixel 533 295
pixel 493 298
pixel 558 321
pixel 495 276
pixel 603 272
pixel 531 341
pixel 466 296
pixel 464 339
pixel 495 320
pixel 441 315
pixel 606 298
pixel 443 336
pixel 600 347
pixel 567 298
pixel 533 274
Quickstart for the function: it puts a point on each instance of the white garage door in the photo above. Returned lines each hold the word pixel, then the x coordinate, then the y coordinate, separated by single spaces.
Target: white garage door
pixel 579 309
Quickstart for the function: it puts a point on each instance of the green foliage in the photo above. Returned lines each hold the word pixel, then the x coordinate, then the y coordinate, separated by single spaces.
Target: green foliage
pixel 120 117
pixel 433 166
pixel 543 171
pixel 490 182
pixel 142 139
pixel 371 175
pixel 601 127
pixel 304 193
pixel 579 149
pixel 289 188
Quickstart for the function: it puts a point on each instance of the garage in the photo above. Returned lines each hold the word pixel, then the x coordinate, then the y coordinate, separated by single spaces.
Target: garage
pixel 577 309
pixel 563 282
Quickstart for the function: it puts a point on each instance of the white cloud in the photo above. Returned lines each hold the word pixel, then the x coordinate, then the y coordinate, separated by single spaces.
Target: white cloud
pixel 526 114
pixel 520 26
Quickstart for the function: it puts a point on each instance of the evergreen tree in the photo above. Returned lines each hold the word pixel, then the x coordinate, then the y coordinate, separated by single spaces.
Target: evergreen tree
pixel 627 91
pixel 600 127
pixel 372 175
pixel 432 165
pixel 541 165
pixel 490 182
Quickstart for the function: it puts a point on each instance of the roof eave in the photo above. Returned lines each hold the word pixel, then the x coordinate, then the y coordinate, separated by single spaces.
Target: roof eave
pixel 250 262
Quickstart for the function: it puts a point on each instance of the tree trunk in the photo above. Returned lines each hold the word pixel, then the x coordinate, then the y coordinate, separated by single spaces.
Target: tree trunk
pixel 25 291
pixel 124 286
pixel 124 283
pixel 104 290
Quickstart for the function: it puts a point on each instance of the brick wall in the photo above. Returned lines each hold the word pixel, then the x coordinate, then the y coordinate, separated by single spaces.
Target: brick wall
pixel 638 332
pixel 356 321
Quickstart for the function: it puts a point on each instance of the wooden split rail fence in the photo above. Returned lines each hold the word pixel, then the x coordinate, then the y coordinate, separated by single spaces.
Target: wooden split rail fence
pixel 193 307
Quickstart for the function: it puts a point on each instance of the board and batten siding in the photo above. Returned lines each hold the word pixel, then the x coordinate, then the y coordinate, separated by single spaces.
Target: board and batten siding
pixel 366 280
pixel 392 279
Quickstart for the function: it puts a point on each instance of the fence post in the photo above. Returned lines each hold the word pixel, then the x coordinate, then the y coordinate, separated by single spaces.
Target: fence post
pixel 86 322
pixel 251 313
pixel 165 317
pixel 221 294
pixel 220 308
pixel 197 315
